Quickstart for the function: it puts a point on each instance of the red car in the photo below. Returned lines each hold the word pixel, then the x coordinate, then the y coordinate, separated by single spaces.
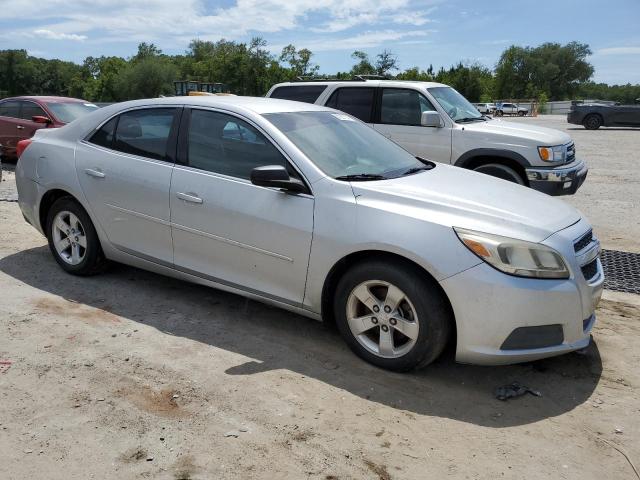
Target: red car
pixel 20 117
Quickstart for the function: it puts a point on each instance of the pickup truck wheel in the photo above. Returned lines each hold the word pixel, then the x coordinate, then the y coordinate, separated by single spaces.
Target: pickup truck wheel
pixel 521 114
pixel 501 171
pixel 73 240
pixel 391 315
pixel 592 122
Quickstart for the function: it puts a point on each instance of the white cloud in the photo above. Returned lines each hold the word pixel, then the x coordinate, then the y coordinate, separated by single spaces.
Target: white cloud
pixel 58 35
pixel 362 40
pixel 158 20
pixel 619 51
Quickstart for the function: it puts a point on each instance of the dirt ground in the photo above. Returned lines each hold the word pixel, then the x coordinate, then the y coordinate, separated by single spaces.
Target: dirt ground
pixel 133 375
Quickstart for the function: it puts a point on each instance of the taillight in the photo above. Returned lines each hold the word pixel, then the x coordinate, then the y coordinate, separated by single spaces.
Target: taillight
pixel 22 145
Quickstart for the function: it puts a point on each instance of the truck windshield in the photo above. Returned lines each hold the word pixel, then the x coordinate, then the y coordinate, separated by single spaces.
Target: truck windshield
pixel 344 147
pixel 456 106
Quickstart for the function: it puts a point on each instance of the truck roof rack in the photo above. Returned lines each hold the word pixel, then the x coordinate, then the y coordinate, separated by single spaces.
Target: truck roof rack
pixel 356 78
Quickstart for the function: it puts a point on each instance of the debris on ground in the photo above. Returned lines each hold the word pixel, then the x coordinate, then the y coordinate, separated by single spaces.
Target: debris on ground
pixel 4 365
pixel 513 390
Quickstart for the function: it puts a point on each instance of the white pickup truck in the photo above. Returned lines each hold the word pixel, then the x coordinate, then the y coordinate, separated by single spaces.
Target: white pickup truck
pixel 434 121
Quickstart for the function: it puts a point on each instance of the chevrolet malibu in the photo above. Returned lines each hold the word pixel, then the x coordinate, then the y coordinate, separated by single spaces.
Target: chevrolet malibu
pixel 309 209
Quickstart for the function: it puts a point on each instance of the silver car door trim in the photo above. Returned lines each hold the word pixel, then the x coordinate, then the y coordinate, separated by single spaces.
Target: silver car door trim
pixel 232 242
pixel 94 173
pixel 187 197
pixel 138 214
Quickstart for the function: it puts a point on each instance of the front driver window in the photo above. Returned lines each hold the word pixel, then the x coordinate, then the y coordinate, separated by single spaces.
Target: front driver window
pixel 403 107
pixel 224 144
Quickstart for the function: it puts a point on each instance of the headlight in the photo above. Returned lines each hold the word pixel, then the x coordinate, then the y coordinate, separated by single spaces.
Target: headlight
pixel 515 257
pixel 552 154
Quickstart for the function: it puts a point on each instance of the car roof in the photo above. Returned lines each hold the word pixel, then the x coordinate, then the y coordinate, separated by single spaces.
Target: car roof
pixel 47 98
pixel 368 83
pixel 259 105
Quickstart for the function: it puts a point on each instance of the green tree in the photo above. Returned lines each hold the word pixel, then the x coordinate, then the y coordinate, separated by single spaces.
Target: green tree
pixel 299 61
pixel 364 66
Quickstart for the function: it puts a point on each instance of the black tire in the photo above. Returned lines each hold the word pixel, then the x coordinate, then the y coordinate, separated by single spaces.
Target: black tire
pixel 592 122
pixel 94 261
pixel 433 312
pixel 521 114
pixel 499 113
pixel 501 171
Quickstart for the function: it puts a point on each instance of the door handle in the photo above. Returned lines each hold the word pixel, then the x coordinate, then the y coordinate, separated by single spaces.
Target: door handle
pixel 19 127
pixel 94 173
pixel 187 197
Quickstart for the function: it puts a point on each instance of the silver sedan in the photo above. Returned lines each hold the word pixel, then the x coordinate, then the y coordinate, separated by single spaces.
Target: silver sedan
pixel 309 209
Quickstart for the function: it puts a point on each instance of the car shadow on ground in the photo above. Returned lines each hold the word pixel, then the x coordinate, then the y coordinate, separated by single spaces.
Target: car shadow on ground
pixel 276 339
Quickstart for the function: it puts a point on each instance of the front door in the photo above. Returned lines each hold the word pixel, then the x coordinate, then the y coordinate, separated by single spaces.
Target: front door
pixel 399 119
pixel 225 228
pixel 125 172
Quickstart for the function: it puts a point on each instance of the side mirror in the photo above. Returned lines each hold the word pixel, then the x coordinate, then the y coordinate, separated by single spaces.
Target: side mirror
pixel 431 119
pixel 276 176
pixel 41 119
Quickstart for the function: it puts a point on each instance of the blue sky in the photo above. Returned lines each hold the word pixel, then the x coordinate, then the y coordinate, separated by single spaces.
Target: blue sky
pixel 438 32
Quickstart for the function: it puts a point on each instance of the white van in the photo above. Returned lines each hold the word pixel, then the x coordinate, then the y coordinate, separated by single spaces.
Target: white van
pixel 434 121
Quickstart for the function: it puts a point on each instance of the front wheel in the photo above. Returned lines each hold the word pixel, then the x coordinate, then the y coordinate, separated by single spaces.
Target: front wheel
pixel 73 240
pixel 500 171
pixel 391 315
pixel 521 114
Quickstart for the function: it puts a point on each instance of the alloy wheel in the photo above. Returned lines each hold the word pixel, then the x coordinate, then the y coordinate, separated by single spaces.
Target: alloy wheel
pixel 69 237
pixel 382 319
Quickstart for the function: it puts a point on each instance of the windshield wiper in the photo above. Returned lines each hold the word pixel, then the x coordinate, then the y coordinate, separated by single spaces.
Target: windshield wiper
pixel 361 177
pixel 470 119
pixel 413 170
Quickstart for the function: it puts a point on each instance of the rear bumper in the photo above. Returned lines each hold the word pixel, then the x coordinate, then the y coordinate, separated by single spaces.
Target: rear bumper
pixel 575 117
pixel 562 180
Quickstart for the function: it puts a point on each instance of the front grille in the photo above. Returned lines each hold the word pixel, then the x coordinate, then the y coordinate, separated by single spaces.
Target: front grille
pixel 583 241
pixel 571 153
pixel 590 270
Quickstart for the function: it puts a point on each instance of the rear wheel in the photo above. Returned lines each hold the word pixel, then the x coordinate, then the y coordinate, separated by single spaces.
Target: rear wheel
pixel 391 315
pixel 501 171
pixel 592 122
pixel 73 240
pixel 499 113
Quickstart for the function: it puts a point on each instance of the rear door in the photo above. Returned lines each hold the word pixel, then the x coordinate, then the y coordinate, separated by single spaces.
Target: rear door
pixel 12 127
pixel 225 228
pixel 356 101
pixel 399 119
pixel 125 172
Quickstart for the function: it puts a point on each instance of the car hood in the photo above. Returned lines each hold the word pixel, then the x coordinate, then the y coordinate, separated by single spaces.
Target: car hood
pixel 455 197
pixel 540 136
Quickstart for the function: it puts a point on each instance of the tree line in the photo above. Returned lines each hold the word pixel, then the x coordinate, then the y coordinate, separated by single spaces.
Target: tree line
pixel 550 71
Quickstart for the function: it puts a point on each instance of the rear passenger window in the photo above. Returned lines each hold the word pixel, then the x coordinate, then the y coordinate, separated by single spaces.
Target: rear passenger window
pixel 104 136
pixel 30 109
pixel 10 109
pixel 144 132
pixel 403 107
pixel 300 93
pixel 225 144
pixel 356 101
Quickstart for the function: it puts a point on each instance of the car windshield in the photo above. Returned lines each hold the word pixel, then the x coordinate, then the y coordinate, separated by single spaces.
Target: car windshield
pixel 344 147
pixel 456 106
pixel 68 112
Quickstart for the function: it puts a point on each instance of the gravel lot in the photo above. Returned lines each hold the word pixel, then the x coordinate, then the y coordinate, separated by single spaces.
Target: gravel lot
pixel 134 375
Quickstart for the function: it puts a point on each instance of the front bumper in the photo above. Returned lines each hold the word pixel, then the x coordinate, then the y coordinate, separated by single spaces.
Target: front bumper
pixel 489 306
pixel 562 180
